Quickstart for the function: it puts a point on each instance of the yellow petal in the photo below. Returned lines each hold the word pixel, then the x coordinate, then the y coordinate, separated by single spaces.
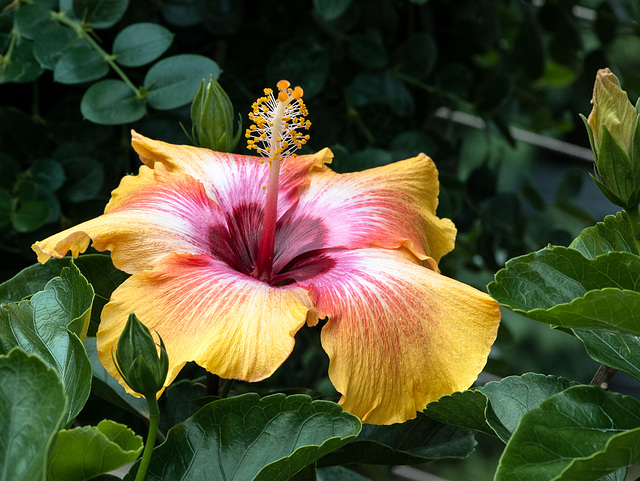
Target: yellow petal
pixel 399 335
pixel 149 216
pixel 231 324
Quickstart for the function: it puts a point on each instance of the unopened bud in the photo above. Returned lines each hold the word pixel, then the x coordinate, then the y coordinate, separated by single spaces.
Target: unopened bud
pixel 138 361
pixel 212 117
pixel 612 126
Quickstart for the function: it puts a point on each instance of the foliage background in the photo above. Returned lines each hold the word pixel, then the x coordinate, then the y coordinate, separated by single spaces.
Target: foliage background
pixel 382 79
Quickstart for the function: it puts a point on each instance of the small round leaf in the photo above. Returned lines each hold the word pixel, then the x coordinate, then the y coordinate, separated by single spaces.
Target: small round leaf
pixel 174 81
pixel 141 43
pixel 80 63
pixel 111 102
pixel 100 13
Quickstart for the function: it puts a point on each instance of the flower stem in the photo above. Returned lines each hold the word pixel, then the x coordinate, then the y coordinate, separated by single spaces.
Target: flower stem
pixel 634 221
pixel 154 420
pixel 602 376
pixel 81 30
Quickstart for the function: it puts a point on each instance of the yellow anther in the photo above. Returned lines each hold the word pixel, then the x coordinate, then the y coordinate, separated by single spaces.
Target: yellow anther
pixel 297 93
pixel 283 97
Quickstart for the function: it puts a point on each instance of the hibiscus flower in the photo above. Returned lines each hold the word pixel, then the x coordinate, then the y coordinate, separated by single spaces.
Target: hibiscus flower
pixel 229 260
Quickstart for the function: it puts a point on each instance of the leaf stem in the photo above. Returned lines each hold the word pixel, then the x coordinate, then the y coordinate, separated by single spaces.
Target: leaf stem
pixel 82 30
pixel 633 215
pixel 154 420
pixel 602 376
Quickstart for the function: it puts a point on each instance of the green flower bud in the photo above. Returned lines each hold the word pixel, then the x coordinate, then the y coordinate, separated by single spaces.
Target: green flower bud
pixel 137 359
pixel 612 126
pixel 212 118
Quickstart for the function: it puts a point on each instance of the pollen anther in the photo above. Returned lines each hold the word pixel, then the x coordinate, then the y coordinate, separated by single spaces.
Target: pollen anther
pixel 277 119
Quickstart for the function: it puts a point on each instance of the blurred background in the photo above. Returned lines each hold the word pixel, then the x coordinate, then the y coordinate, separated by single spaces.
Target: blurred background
pixel 490 89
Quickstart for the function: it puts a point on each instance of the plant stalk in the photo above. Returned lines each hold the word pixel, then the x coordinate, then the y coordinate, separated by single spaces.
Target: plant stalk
pixel 154 420
pixel 633 215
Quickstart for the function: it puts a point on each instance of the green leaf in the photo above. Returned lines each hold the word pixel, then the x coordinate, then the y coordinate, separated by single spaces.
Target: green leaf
pixel 100 13
pixel 85 176
pixel 51 41
pixel 106 387
pixel 30 216
pixel 97 268
pixel 47 173
pixel 80 454
pixel 497 407
pixel 246 437
pixel 368 49
pixel 619 351
pixel 612 235
pixel 331 9
pixel 414 442
pixel 51 325
pixel 32 406
pixel 417 55
pixel 80 63
pixel 561 287
pixel 112 102
pixel 30 17
pixel 174 81
pixel 339 473
pixel 30 68
pixel 580 434
pixel 141 43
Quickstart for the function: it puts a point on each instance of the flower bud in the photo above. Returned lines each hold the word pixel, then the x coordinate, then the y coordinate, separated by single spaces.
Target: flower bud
pixel 137 359
pixel 612 126
pixel 212 118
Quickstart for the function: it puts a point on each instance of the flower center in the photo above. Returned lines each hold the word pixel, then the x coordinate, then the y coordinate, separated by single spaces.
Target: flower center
pixel 275 136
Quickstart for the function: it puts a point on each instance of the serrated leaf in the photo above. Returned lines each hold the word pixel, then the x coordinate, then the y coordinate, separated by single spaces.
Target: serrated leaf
pixel 32 407
pixel 497 407
pixel 561 287
pixel 96 268
pixel 248 438
pixel 141 43
pixel 112 102
pixel 82 453
pixel 417 441
pixel 580 434
pixel 80 63
pixel 51 325
pixel 616 350
pixel 100 13
pixel 174 81
pixel 612 235
pixel 106 387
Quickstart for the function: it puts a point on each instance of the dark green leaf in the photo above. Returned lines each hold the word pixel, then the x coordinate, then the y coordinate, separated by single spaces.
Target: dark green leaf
pixel 580 434
pixel 6 207
pixel 222 17
pixel 100 13
pixel 180 401
pixel 417 55
pixel 496 408
pixel 85 176
pixel 303 62
pixel 30 67
pixel 620 351
pixel 30 17
pixel 32 407
pixel 331 9
pixel 247 437
pixel 51 325
pixel 561 287
pixel 414 442
pixel 82 453
pixel 183 13
pixel 174 81
pixel 105 386
pixel 614 234
pixel 339 473
pixel 112 102
pixel 368 49
pixel 141 43
pixel 47 173
pixel 80 63
pixel 51 41
pixel 30 216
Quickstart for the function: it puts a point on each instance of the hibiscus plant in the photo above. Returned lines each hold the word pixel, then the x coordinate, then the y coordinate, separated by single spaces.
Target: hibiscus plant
pixel 254 312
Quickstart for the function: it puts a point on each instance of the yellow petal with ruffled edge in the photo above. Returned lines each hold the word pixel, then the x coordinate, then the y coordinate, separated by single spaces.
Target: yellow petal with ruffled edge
pixel 150 215
pixel 230 324
pixel 391 206
pixel 399 335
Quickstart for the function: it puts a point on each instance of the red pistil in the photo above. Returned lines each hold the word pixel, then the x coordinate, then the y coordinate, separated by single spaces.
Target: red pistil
pixel 264 264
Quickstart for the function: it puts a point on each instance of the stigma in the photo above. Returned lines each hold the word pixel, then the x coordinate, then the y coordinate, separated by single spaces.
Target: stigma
pixel 277 123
